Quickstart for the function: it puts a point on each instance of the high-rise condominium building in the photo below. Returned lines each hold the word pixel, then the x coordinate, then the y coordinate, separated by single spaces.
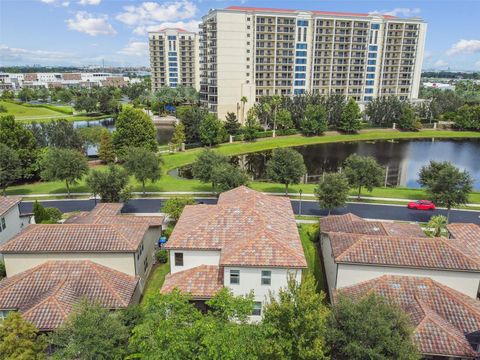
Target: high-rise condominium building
pixel 253 52
pixel 173 58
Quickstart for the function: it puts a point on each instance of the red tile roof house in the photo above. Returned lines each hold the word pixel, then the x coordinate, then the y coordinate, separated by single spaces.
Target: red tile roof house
pixel 247 241
pixel 355 250
pixel 122 242
pixel 11 220
pixel 434 280
pixel 446 321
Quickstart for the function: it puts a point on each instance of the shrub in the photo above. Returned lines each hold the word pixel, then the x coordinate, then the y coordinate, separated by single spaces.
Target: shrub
pixel 162 256
pixel 3 271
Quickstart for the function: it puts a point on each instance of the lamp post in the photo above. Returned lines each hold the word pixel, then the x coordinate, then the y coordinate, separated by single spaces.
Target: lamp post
pixel 300 205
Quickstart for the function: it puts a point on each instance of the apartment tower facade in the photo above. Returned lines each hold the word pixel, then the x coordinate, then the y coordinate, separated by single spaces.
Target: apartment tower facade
pixel 174 58
pixel 251 52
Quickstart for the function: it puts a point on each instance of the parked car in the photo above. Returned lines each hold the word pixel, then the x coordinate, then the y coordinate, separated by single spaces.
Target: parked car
pixel 421 205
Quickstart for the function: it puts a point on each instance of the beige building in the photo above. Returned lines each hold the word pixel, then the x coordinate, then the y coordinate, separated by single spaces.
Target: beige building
pixel 251 52
pixel 174 58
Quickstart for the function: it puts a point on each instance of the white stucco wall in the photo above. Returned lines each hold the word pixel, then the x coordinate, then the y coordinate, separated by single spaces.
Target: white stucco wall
pixel 16 263
pixel 194 258
pixel 465 282
pixel 250 279
pixel 149 241
pixel 13 224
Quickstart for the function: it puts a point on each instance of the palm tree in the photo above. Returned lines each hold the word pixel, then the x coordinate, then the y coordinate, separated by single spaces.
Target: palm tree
pixel 243 100
pixel 275 103
pixel 437 225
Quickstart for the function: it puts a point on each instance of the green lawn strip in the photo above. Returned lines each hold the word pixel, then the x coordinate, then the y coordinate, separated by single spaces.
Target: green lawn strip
pixel 309 233
pixel 172 161
pixel 155 280
pixel 27 111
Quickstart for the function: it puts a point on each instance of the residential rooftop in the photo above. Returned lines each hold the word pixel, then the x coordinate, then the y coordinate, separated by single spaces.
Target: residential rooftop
pixel 7 202
pixel 201 282
pixel 442 317
pixel 248 227
pixel 45 294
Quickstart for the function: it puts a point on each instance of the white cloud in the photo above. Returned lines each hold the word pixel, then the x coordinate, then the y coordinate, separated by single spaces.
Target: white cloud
pixel 191 25
pixel 10 54
pixel 152 13
pixel 440 63
pixel 56 2
pixel 91 25
pixel 477 64
pixel 135 48
pixel 65 3
pixel 48 1
pixel 464 46
pixel 89 2
pixel 402 12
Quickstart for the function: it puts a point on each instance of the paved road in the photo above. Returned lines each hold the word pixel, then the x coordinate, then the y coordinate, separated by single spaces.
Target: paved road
pixel 368 211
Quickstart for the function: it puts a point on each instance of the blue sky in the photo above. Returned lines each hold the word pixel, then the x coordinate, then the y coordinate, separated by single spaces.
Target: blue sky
pixel 85 32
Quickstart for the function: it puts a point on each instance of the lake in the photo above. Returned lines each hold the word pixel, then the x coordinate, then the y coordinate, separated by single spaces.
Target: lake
pixel 401 158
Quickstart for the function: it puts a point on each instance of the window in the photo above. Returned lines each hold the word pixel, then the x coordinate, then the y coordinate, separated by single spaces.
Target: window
pixel 257 308
pixel 368 91
pixel 299 82
pixel 372 62
pixel 370 76
pixel 373 48
pixel 171 37
pixel 298 91
pixel 368 98
pixel 371 68
pixel 301 53
pixel 3 314
pixel 372 55
pixel 300 76
pixel 300 68
pixel 301 46
pixel 234 277
pixel 4 225
pixel 375 26
pixel 300 61
pixel 370 82
pixel 302 22
pixel 266 277
pixel 178 259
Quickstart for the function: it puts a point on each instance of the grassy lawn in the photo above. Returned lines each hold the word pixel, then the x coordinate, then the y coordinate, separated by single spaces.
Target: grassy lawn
pixel 308 233
pixel 172 161
pixel 156 279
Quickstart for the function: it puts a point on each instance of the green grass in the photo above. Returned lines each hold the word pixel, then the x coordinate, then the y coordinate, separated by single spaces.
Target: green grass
pixel 22 111
pixel 309 234
pixel 172 161
pixel 155 280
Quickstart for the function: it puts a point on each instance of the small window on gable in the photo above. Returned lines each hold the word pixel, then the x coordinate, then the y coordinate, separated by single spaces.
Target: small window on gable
pixel 234 277
pixel 178 259
pixel 266 277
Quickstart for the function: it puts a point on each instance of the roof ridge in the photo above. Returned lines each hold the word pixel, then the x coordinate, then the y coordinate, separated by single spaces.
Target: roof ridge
pixel 22 275
pixel 51 296
pixel 355 244
pixel 116 226
pixel 466 253
pixel 93 265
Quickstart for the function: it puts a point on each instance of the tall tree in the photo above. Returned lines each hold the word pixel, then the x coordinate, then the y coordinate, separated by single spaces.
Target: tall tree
pixel 232 126
pixel 384 110
pixel 445 184
pixel 110 184
pixel 314 121
pixel 332 191
pixel 275 102
pixel 437 226
pixel 191 117
pixel 284 119
pixel 143 165
pixel 105 149
pixel 85 102
pixel 134 128
pixel 10 167
pixel 211 130
pixel 363 171
pixel 19 138
pixel 64 165
pixel 243 100
pixel 294 323
pixel 227 176
pixel 286 166
pixel 178 136
pixel 90 332
pixel 19 339
pixel 369 328
pixel 408 119
pixel 202 168
pixel 61 133
pixel 350 118
pixel 173 207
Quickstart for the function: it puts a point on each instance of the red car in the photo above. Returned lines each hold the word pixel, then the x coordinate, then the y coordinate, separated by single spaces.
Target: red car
pixel 421 205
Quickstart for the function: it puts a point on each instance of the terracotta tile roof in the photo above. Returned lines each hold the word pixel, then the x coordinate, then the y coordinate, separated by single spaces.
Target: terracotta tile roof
pixel 466 236
pixel 441 316
pixel 77 238
pixel 401 251
pixel 109 213
pixel 250 229
pixel 350 223
pixel 201 282
pixel 7 202
pixel 46 293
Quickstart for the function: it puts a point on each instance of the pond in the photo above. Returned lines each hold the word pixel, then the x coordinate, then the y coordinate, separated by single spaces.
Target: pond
pixel 164 132
pixel 402 159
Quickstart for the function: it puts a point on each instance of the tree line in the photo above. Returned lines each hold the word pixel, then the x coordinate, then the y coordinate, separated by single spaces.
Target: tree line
pixel 297 324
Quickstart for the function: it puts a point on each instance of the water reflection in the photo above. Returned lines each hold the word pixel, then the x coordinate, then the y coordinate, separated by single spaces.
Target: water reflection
pixel 402 159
